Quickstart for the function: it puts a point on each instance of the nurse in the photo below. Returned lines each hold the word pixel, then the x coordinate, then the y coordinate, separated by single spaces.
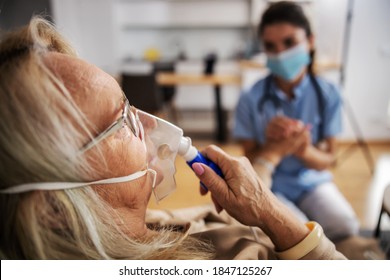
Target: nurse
pixel 284 102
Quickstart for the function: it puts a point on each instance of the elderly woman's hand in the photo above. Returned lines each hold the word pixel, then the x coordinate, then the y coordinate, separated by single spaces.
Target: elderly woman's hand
pixel 241 192
pixel 243 195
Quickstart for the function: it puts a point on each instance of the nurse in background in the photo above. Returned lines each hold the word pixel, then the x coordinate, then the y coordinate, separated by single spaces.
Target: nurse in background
pixel 276 107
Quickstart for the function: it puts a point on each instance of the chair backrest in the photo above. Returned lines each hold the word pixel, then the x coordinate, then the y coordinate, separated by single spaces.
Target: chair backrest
pixel 142 91
pixel 168 92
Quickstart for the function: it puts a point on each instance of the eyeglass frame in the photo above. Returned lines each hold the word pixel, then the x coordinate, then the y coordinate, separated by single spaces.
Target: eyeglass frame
pixel 134 124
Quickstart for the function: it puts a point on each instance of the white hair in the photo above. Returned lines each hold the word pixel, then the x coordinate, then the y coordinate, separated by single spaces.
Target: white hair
pixel 41 132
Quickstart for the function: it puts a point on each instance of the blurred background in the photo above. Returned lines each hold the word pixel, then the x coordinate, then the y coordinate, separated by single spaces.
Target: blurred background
pixel 189 60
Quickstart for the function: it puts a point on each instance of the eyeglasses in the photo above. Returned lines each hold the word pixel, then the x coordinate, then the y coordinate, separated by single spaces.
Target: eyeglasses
pixel 129 117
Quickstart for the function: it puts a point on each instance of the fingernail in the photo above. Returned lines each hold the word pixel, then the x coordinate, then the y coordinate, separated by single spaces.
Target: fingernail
pixel 198 168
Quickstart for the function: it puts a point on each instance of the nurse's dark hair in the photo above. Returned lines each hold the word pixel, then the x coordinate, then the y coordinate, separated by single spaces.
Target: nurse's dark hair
pixel 286 12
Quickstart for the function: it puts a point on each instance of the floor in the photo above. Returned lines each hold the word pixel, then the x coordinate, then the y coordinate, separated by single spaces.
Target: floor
pixel 362 188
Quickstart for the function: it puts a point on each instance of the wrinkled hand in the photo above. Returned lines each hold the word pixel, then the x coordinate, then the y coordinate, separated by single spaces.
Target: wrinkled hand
pixel 241 192
pixel 281 127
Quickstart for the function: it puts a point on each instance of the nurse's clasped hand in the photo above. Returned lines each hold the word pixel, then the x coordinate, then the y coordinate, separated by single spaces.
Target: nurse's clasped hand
pixel 282 128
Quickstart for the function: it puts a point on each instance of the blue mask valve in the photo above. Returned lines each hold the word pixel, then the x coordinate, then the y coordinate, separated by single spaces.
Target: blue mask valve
pixel 192 155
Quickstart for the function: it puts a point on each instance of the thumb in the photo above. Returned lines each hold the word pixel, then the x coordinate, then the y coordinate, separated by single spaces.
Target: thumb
pixel 210 179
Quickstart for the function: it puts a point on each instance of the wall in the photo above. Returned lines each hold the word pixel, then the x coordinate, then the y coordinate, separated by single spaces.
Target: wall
pixel 194 26
pixel 96 28
pixel 88 24
pixel 328 21
pixel 16 13
pixel 367 85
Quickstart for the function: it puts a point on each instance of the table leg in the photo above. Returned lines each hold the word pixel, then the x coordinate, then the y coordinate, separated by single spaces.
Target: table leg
pixel 220 116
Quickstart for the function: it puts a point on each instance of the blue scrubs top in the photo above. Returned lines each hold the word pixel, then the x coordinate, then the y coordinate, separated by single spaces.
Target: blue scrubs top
pixel 291 177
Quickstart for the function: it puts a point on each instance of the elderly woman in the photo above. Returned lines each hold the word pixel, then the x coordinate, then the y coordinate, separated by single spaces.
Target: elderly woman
pixel 63 120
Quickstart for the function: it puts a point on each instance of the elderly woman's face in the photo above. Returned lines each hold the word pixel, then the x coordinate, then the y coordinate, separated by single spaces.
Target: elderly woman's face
pixel 100 98
pixel 279 37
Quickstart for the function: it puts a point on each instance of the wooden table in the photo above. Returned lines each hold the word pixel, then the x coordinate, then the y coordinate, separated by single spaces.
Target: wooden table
pixel 215 80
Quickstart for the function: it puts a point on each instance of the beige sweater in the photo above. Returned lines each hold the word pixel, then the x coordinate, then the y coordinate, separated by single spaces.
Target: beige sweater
pixel 231 239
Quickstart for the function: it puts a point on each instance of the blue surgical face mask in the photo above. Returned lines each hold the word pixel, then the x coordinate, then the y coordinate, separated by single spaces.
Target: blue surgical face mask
pixel 289 64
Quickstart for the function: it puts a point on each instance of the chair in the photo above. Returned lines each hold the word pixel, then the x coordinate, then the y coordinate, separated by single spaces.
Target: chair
pixel 142 91
pixel 384 235
pixel 168 92
pixel 384 209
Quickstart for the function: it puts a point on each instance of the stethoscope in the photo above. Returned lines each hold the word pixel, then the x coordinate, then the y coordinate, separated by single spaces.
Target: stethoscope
pixel 270 95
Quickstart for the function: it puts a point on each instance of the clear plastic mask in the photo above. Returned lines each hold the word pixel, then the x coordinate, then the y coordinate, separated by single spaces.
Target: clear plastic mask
pixel 162 140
